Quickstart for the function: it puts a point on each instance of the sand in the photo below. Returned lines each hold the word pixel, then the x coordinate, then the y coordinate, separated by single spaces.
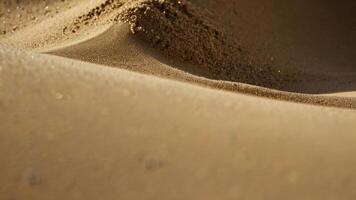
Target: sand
pixel 144 99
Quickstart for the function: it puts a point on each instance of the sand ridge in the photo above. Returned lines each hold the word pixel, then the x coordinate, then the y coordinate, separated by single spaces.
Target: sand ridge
pixel 117 47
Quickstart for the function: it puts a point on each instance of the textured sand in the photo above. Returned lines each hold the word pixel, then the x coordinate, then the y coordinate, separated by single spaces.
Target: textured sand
pixel 94 108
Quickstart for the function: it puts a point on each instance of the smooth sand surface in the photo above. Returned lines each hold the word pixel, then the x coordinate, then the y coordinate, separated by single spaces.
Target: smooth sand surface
pixel 89 110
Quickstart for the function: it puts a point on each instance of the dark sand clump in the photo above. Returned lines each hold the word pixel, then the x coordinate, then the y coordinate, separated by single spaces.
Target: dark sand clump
pixel 88 18
pixel 180 29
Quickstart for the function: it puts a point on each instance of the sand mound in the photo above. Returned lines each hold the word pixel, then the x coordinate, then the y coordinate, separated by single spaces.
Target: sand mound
pixel 179 28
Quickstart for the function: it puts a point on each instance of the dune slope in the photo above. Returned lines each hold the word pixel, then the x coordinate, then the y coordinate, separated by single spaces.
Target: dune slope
pixel 82 131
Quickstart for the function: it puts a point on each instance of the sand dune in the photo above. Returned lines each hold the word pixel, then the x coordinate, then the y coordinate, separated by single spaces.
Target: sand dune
pixel 91 34
pixel 146 99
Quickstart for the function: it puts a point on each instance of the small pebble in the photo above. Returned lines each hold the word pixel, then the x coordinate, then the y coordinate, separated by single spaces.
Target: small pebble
pixel 46 10
pixel 32 177
pixel 152 163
